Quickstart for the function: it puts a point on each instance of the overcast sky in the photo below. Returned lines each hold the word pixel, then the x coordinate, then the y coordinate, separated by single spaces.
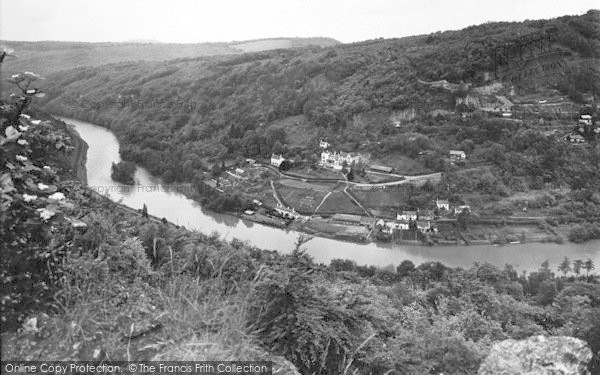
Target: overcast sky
pixel 189 21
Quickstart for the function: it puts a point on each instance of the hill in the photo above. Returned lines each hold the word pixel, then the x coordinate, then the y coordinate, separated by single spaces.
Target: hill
pixel 400 102
pixel 48 57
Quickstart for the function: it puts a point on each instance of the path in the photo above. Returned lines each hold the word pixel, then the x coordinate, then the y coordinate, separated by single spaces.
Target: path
pixel 355 201
pixel 322 201
pixel 275 193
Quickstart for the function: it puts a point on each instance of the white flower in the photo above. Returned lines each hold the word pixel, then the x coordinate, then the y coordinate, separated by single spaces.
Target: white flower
pixel 57 196
pixel 32 91
pixel 23 128
pixel 21 158
pixel 42 186
pixel 25 116
pixel 29 198
pixel 47 167
pixel 45 214
pixel 22 142
pixel 36 122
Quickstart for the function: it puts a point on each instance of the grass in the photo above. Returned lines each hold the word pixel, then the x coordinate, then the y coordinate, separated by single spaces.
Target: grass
pixel 303 200
pixel 381 198
pixel 338 202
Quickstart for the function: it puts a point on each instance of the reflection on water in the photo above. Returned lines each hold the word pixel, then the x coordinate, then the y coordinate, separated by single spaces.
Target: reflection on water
pixel 164 201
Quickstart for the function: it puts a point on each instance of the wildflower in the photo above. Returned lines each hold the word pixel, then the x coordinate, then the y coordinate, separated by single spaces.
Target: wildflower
pixel 47 168
pixel 21 158
pixel 29 198
pixel 23 128
pixel 31 91
pixel 25 116
pixel 36 122
pixel 22 142
pixel 58 196
pixel 42 186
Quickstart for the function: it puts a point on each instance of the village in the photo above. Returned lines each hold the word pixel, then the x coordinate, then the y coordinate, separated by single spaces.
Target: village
pixel 333 203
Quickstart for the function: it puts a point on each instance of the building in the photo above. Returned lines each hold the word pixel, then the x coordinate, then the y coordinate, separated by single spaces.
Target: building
pixel 461 209
pixel 336 160
pixel 407 215
pixel 398 225
pixel 250 161
pixel 575 138
pixel 458 155
pixel 585 120
pixel 324 145
pixel 276 160
pixel 380 168
pixel 442 204
pixel 426 215
pixel 423 226
pixel 347 219
pixel 286 212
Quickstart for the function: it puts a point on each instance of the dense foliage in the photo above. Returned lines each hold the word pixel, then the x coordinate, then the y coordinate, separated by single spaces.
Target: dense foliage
pixel 123 172
pixel 178 119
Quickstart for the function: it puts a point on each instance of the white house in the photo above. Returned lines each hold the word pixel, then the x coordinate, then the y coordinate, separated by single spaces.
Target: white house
pixel 324 145
pixel 457 154
pixel 407 215
pixel 460 209
pixel 400 224
pixel 442 204
pixel 276 160
pixel 336 160
pixel 287 212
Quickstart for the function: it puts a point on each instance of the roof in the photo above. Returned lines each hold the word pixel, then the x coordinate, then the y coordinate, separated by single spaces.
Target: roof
pixel 456 152
pixel 347 217
pixel 442 201
pixel 380 168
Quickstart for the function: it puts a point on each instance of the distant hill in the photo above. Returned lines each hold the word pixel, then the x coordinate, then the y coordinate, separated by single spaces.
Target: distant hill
pixel 48 56
pixel 374 97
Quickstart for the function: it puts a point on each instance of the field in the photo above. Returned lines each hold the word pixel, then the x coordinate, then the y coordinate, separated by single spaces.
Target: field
pixel 338 202
pixel 302 199
pixel 381 198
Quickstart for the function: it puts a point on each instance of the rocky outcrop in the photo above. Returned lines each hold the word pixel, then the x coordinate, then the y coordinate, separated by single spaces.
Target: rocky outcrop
pixel 538 355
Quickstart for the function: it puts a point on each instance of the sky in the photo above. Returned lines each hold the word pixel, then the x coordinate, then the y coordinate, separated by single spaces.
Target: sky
pixel 195 21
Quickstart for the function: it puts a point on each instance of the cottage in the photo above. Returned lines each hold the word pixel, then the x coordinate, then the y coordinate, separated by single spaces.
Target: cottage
pixel 461 209
pixel 399 225
pixel 249 212
pixel 250 161
pixel 286 212
pixel 458 155
pixel 407 215
pixel 426 215
pixel 324 145
pixel 575 138
pixel 276 160
pixel 442 204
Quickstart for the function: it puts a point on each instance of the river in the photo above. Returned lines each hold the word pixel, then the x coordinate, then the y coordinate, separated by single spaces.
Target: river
pixel 175 207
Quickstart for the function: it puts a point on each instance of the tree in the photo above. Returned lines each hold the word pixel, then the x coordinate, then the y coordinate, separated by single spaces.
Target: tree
pixel 565 266
pixel 589 266
pixel 405 268
pixel 145 211
pixel 577 265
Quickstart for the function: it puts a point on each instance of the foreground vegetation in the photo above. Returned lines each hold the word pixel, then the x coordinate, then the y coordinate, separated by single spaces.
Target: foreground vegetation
pixel 84 279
